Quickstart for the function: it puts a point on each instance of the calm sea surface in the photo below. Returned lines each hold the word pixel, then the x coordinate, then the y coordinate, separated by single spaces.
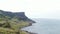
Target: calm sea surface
pixel 45 26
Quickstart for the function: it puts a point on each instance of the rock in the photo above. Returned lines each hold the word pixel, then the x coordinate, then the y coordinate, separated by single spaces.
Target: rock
pixel 20 15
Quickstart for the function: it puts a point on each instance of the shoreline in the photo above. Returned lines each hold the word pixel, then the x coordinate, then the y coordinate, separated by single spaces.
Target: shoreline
pixel 28 31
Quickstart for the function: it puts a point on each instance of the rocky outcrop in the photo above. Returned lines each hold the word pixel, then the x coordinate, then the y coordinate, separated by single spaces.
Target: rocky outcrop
pixel 20 15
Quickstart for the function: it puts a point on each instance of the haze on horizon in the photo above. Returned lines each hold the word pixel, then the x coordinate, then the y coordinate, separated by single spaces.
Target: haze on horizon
pixel 33 8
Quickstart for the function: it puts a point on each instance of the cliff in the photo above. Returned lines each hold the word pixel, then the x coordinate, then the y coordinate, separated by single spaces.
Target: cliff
pixel 19 15
pixel 11 23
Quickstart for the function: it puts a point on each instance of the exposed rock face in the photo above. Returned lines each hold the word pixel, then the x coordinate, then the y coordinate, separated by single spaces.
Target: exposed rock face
pixel 20 15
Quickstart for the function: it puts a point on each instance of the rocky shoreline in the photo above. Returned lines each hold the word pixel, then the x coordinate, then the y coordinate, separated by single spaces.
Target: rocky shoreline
pixel 29 32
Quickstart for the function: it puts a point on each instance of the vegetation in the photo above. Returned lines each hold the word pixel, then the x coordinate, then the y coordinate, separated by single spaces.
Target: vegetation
pixel 13 25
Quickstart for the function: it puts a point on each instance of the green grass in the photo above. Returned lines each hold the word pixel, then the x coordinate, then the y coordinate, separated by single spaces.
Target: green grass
pixel 12 26
pixel 10 31
pixel 14 29
pixel 18 25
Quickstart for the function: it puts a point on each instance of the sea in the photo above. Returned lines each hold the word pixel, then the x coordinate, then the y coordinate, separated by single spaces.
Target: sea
pixel 44 26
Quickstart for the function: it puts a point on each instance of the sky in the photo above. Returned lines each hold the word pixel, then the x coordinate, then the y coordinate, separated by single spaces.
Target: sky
pixel 33 8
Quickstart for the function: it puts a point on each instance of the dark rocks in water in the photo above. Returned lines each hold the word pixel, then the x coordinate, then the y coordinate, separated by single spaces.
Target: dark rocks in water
pixel 20 15
pixel 30 32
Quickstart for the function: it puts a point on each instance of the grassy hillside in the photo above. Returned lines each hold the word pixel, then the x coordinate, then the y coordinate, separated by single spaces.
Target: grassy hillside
pixel 13 25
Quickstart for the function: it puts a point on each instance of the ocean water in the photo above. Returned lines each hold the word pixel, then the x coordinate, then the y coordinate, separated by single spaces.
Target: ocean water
pixel 45 26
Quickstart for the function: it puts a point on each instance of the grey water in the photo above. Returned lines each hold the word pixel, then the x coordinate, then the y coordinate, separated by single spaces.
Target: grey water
pixel 45 26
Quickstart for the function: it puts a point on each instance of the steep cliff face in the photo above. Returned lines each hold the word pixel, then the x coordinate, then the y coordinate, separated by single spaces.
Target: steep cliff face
pixel 20 15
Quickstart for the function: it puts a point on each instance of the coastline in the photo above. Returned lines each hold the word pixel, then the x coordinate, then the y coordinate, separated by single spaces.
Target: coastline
pixel 27 32
pixel 14 22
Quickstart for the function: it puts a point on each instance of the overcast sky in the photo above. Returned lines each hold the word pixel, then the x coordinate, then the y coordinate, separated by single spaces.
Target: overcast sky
pixel 33 8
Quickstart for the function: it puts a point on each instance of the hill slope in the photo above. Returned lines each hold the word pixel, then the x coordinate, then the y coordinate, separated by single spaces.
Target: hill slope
pixel 11 23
